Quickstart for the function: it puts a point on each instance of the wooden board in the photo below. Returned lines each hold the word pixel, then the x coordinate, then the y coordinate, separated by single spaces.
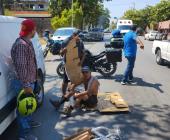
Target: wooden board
pixel 72 66
pixel 111 102
pixel 82 135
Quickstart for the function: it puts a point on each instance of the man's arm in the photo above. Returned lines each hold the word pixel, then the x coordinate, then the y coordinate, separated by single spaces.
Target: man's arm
pixel 138 41
pixel 93 90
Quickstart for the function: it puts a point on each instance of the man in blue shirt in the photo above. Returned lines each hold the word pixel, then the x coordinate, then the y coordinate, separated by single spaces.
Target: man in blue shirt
pixel 130 50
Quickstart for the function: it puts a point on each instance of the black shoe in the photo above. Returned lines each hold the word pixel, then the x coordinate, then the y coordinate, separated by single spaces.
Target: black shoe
pixel 35 124
pixel 55 104
pixel 131 82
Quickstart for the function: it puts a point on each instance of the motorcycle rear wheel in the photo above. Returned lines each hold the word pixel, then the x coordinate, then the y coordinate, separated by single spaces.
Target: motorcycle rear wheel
pixel 108 69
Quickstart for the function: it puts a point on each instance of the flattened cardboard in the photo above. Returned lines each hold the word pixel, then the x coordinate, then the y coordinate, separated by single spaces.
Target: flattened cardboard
pixel 72 63
pixel 114 103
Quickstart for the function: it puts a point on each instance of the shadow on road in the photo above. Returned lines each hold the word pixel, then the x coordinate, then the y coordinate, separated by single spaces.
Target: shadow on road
pixel 135 125
pixel 141 82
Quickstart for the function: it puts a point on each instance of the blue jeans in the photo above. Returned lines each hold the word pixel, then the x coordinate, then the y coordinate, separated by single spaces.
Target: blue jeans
pixel 23 121
pixel 128 75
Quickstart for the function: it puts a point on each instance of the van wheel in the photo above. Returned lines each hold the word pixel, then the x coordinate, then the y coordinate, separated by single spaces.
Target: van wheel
pixel 159 59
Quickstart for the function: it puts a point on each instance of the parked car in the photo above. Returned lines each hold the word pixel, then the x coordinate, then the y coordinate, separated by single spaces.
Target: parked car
pixel 150 35
pixel 162 51
pixel 158 36
pixel 95 34
pixel 62 33
pixel 9 28
pixel 83 34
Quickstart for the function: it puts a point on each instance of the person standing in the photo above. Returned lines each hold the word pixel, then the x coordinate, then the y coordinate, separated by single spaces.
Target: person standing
pixel 24 61
pixel 81 54
pixel 130 49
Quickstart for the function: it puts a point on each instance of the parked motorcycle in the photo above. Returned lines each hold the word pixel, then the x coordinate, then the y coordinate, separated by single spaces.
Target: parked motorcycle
pixel 97 63
pixel 52 46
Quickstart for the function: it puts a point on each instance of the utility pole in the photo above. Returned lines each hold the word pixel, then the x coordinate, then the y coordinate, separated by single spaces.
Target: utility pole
pixel 72 17
pixel 1 8
pixel 134 6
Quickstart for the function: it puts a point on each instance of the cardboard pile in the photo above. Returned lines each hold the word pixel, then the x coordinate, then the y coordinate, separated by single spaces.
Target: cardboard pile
pixel 111 102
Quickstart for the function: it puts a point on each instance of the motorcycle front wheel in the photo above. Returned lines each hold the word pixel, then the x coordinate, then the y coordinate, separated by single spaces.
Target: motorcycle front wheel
pixel 60 70
pixel 45 52
pixel 107 69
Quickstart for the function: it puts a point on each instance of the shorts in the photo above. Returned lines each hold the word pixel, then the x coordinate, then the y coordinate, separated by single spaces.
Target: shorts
pixel 90 102
pixel 65 78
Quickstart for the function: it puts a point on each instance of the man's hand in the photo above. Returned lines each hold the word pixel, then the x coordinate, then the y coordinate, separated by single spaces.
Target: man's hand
pixel 64 51
pixel 76 95
pixel 28 90
pixel 142 47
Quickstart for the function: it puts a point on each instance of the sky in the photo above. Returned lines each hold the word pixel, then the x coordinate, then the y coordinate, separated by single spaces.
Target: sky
pixel 118 7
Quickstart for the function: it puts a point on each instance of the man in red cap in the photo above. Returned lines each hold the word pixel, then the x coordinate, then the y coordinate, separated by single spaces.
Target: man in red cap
pixel 24 60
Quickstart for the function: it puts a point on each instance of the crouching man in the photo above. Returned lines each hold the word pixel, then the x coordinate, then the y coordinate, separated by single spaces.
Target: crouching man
pixel 88 97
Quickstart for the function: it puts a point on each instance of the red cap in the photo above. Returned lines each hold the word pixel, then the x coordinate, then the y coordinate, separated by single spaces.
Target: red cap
pixel 27 26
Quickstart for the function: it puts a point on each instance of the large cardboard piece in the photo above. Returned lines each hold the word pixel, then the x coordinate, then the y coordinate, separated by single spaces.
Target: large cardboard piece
pixel 72 66
pixel 111 102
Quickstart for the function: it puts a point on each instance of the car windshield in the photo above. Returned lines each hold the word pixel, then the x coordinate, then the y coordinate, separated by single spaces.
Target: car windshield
pixel 64 32
pixel 124 27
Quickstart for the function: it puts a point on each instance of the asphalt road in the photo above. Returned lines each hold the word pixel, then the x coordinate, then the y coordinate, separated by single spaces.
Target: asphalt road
pixel 149 101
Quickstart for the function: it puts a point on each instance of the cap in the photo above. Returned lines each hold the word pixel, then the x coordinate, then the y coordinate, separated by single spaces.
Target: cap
pixel 85 69
pixel 27 26
pixel 76 32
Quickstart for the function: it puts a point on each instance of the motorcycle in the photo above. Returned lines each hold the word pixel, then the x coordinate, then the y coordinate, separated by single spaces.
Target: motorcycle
pixel 97 63
pixel 52 46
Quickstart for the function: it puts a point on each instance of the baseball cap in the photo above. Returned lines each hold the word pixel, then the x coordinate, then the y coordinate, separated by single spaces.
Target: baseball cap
pixel 85 69
pixel 27 26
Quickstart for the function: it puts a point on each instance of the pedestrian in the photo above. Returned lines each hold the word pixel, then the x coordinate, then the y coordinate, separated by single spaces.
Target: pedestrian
pixel 130 49
pixel 24 61
pixel 81 54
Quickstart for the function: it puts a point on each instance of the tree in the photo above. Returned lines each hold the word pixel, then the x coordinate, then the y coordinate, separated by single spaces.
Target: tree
pixel 150 15
pixel 91 10
pixel 66 16
pixel 161 11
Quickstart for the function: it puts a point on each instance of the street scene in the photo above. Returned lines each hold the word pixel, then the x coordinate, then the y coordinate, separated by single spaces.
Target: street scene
pixel 116 54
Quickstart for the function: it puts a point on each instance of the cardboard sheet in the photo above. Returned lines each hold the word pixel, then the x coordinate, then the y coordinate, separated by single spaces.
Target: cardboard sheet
pixel 111 102
pixel 73 68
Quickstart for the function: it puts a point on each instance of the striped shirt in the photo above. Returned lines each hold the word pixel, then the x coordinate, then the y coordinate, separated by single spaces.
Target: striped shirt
pixel 24 60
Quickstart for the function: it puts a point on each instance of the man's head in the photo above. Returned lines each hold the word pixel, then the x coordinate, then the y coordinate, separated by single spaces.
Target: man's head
pixel 76 34
pixel 134 28
pixel 28 28
pixel 86 73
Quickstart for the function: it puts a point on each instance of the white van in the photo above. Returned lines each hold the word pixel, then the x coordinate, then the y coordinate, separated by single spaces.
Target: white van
pixel 9 31
pixel 124 25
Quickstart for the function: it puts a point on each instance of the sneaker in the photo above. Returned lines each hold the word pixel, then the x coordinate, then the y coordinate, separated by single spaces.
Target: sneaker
pixel 123 83
pixel 35 124
pixel 131 81
pixel 67 111
pixel 28 137
pixel 55 104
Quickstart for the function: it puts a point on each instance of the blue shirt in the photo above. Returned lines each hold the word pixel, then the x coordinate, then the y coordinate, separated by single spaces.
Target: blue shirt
pixel 130 46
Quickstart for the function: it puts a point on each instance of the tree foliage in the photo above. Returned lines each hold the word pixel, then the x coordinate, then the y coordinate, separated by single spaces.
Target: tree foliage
pixel 150 15
pixel 86 12
pixel 65 18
